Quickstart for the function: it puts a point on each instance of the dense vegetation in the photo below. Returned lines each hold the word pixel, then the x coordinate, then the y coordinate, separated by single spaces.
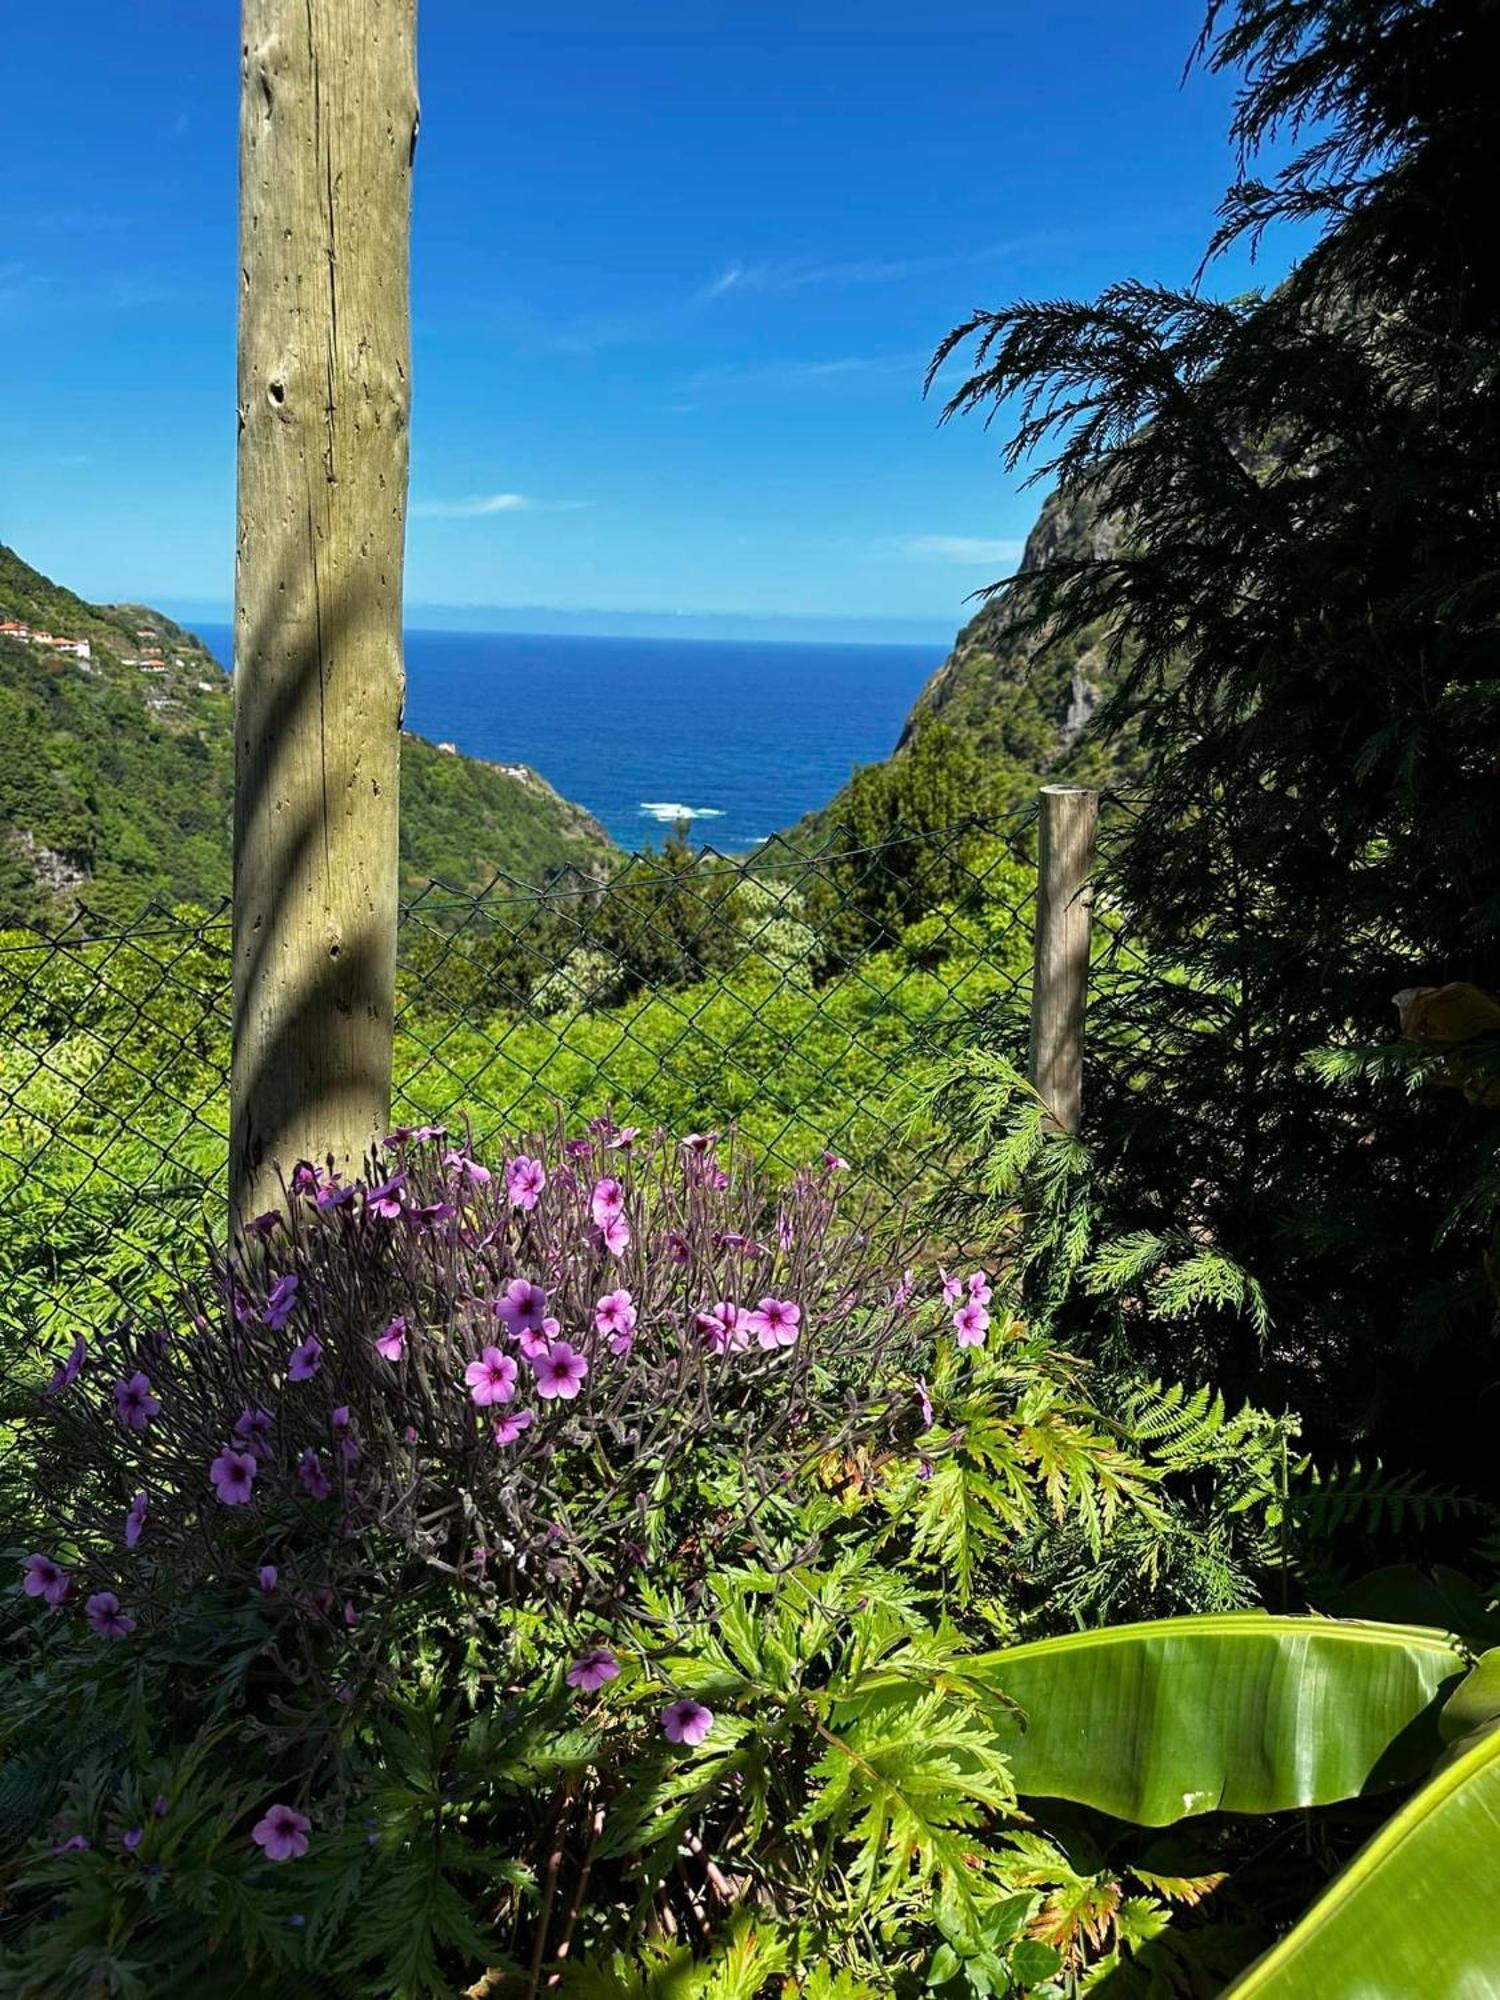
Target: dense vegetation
pixel 115 780
pixel 632 1564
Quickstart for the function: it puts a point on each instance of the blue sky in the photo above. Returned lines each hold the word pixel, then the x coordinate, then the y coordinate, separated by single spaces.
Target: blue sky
pixel 677 269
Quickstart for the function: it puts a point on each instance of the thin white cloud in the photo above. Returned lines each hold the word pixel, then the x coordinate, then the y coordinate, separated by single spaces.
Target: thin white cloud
pixel 480 505
pixel 799 374
pixel 795 274
pixel 961 549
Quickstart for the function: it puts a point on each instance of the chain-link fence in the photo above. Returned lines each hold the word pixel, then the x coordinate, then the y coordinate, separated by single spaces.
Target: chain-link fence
pixel 802 994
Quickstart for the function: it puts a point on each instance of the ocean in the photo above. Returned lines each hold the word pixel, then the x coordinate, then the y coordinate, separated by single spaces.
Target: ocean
pixel 738 737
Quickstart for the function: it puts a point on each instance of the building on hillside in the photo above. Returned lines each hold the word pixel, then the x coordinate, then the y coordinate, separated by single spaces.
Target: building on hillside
pixel 12 628
pixel 79 648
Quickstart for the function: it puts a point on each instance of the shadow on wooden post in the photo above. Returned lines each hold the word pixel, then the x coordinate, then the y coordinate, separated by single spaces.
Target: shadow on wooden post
pixel 1060 966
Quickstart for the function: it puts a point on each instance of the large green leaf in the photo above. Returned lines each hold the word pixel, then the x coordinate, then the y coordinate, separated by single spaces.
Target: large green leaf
pixel 1234 1712
pixel 1414 1913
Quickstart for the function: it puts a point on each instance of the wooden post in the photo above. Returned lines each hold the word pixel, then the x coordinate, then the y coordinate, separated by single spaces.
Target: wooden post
pixel 1060 974
pixel 328 122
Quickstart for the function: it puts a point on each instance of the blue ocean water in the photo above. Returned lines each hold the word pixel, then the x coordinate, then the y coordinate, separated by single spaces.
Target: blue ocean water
pixel 739 736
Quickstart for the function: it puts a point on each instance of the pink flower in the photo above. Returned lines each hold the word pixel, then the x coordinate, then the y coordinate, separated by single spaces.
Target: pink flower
pixel 304 1362
pixel 233 1475
pixel 836 1163
pixel 492 1378
pixel 626 1137
pixel 775 1322
pixel 524 1180
pixel 615 1315
pixel 135 1520
pixel 135 1405
pixel 560 1372
pixel 282 1833
pixel 268 1576
pixel 391 1345
pixel 45 1579
pixel 902 1296
pixel 385 1200
pixel 103 1612
pixel 607 1200
pixel 433 1214
pixel 971 1323
pixel 614 1235
pixel 701 1142
pixel 686 1721
pixel 67 1372
pixel 677 1246
pixel 952 1288
pixel 722 1329
pixel 333 1194
pixel 304 1178
pixel 979 1288
pixel 532 1344
pixel 314 1478
pixel 523 1308
pixel 924 1403
pixel 467 1168
pixel 281 1301
pixel 592 1669
pixel 253 1428
pixel 511 1426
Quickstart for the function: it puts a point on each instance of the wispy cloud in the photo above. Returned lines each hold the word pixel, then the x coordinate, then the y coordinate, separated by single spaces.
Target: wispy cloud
pixel 479 505
pixel 795 274
pixel 789 374
pixel 961 549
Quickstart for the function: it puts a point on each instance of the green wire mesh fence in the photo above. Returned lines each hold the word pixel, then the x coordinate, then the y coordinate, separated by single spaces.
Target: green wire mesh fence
pixel 803 994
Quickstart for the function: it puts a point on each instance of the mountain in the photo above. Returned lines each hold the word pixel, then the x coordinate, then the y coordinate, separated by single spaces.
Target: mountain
pixel 1015 709
pixel 116 771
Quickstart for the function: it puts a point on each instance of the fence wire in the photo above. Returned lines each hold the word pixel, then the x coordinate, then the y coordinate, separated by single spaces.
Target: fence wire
pixel 802 994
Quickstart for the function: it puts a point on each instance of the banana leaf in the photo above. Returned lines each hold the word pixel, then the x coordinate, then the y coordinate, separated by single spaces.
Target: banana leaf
pixel 1232 1712
pixel 1415 1912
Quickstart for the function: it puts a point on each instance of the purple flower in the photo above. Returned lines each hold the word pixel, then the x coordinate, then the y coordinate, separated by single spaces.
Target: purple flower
pixel 76 1843
pixel 281 1301
pixel 103 1612
pixel 775 1322
pixel 333 1193
pixel 467 1168
pixel 135 1520
pixel 304 1362
pixel 701 1142
pixel 979 1288
pixel 268 1576
pixel 254 1427
pixel 511 1426
pixel 924 1404
pixel 836 1163
pixel 281 1833
pixel 952 1288
pixel 135 1405
pixel 159 1806
pixel 523 1308
pixel 67 1372
pixel 607 1201
pixel 902 1296
pixel 266 1224
pixel 971 1323
pixel 677 1246
pixel 132 1838
pixel 45 1579
pixel 592 1669
pixel 304 1178
pixel 721 1328
pixel 686 1721
pixel 492 1378
pixel 391 1345
pixel 433 1214
pixel 615 1315
pixel 385 1200
pixel 314 1478
pixel 524 1180
pixel 614 1235
pixel 233 1475
pixel 560 1372
pixel 533 1344
pixel 625 1138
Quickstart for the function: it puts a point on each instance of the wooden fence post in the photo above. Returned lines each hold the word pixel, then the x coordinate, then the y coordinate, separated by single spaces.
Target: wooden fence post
pixel 1060 965
pixel 328 123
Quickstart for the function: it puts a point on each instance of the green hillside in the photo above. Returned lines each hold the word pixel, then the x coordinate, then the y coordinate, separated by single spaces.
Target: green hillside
pixel 116 772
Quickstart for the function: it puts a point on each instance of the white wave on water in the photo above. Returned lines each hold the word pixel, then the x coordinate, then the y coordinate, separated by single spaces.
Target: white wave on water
pixel 669 815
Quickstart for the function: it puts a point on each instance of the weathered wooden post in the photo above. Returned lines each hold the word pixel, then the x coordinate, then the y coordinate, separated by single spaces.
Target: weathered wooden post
pixel 1060 966
pixel 328 122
